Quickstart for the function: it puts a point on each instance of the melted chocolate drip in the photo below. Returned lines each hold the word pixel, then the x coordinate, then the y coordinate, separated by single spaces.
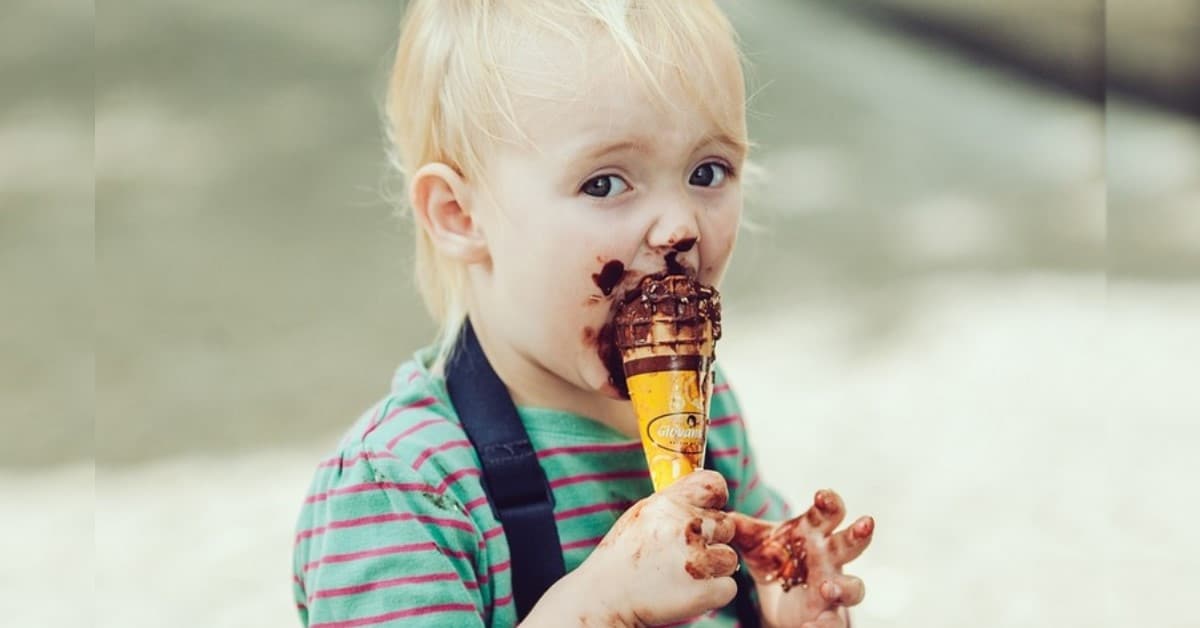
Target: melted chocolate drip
pixel 673 266
pixel 609 276
pixel 683 246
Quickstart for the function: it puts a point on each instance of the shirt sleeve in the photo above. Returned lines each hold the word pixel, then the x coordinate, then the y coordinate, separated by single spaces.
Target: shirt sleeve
pixel 754 496
pixel 749 493
pixel 378 546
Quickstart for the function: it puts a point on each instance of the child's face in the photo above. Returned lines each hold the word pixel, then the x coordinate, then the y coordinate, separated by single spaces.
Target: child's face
pixel 613 183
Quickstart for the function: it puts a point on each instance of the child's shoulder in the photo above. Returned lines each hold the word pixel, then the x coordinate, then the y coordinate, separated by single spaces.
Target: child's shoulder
pixel 414 425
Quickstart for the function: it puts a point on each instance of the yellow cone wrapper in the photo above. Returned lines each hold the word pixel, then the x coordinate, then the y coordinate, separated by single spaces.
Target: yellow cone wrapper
pixel 666 334
pixel 670 396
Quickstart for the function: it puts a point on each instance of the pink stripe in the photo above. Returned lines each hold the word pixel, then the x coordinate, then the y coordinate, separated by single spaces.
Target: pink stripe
pixel 457 475
pixel 456 553
pixel 495 569
pixel 636 474
pixel 383 584
pixel 378 417
pixel 411 612
pixel 337 461
pixel 745 460
pixel 493 533
pixel 475 503
pixel 583 543
pixel 724 453
pixel 503 600
pixel 368 486
pixel 384 518
pixel 371 553
pixel 453 444
pixel 424 403
pixel 725 420
pixel 301 606
pixel 393 413
pixel 590 449
pixel 753 483
pixel 414 375
pixel 587 510
pixel 762 511
pixel 720 389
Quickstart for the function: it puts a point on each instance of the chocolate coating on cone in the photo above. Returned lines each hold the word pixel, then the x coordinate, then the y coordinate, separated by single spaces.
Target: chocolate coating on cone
pixel 671 313
pixel 655 363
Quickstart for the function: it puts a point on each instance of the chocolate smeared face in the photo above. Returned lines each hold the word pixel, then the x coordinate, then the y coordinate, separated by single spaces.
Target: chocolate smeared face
pixel 596 189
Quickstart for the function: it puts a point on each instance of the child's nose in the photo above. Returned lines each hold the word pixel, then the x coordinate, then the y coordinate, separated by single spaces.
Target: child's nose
pixel 676 228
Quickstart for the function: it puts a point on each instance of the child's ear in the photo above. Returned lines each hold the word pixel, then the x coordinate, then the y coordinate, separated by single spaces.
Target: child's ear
pixel 441 204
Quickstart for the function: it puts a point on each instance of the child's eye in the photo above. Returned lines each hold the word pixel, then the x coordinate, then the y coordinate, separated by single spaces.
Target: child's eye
pixel 604 186
pixel 709 175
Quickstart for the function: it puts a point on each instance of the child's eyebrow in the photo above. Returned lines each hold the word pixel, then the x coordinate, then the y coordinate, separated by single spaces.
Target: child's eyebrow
pixel 645 145
pixel 737 146
pixel 605 149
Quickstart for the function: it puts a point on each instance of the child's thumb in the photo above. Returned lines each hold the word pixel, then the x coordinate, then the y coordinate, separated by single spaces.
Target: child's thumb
pixel 702 488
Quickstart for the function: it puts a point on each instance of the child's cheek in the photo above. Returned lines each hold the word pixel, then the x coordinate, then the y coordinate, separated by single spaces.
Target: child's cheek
pixel 602 278
pixel 715 256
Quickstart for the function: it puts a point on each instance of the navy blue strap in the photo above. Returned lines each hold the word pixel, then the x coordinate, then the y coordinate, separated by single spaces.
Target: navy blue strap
pixel 743 604
pixel 516 485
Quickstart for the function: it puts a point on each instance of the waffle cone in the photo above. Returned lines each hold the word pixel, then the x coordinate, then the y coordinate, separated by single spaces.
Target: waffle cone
pixel 666 340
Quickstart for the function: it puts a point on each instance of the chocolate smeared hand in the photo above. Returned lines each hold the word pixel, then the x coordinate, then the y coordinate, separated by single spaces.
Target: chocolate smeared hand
pixel 804 549
pixel 659 354
pixel 773 552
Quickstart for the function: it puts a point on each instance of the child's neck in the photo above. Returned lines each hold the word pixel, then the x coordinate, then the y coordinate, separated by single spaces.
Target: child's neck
pixel 531 384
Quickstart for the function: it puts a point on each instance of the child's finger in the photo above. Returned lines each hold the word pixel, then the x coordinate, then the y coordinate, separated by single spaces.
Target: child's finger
pixel 705 489
pixel 843 590
pixel 716 561
pixel 827 619
pixel 848 544
pixel 827 511
pixel 718 592
pixel 718 528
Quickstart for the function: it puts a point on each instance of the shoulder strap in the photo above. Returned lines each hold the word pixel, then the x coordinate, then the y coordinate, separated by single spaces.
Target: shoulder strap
pixel 516 485
pixel 743 604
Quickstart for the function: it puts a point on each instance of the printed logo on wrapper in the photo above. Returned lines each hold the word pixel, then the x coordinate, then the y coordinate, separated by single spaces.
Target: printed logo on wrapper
pixel 680 432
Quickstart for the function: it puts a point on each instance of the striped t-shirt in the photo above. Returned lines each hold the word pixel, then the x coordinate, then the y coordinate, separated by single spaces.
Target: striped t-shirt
pixel 396 529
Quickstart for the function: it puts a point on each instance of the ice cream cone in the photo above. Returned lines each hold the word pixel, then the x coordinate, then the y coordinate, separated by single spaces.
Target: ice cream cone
pixel 666 332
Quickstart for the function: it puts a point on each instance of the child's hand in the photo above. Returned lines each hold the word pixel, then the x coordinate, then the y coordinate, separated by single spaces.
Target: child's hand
pixel 666 558
pixel 805 556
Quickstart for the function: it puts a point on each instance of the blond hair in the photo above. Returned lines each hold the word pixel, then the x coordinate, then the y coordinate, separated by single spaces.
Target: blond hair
pixel 452 86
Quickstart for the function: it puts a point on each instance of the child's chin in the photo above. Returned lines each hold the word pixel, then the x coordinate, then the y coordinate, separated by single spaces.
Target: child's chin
pixel 611 391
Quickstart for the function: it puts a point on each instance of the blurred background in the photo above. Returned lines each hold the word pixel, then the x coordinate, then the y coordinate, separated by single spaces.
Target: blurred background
pixel 972 264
